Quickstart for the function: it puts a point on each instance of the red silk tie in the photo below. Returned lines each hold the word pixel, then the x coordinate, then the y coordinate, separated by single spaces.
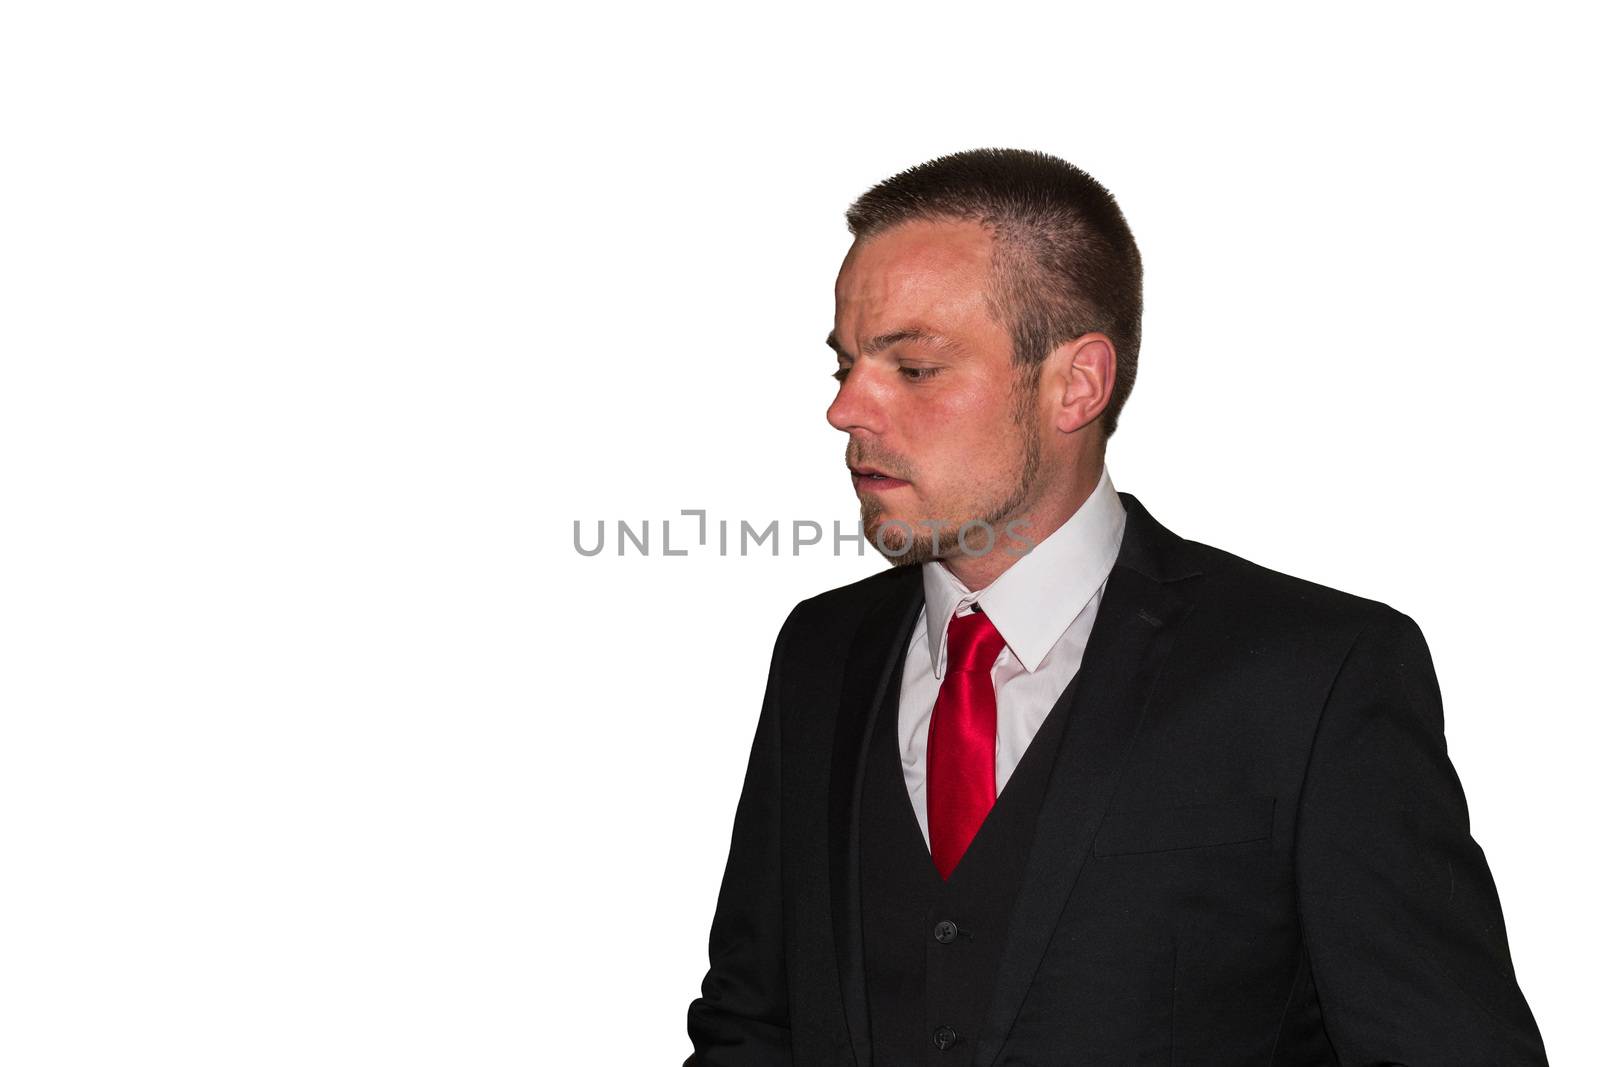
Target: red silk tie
pixel 961 740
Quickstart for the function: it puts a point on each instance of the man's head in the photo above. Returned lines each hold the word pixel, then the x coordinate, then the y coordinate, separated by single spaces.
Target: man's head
pixel 987 331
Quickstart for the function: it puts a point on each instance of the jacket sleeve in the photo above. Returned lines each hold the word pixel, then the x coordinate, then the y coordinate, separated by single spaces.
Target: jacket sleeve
pixel 741 1018
pixel 1399 913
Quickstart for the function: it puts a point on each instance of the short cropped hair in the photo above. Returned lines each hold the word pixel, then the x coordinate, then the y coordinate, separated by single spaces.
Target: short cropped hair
pixel 1065 262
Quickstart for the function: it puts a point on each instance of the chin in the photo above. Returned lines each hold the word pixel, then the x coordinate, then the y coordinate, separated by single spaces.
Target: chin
pixel 895 548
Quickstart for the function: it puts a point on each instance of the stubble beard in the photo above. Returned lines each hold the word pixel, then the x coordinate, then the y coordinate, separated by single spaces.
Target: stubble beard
pixel 890 537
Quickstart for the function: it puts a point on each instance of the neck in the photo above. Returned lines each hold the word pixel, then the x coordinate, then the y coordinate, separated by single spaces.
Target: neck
pixel 1033 522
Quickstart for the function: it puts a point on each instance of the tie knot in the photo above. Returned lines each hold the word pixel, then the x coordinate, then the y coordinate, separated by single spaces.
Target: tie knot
pixel 972 643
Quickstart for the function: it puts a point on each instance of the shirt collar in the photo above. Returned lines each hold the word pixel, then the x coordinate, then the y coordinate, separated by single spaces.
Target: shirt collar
pixel 1036 598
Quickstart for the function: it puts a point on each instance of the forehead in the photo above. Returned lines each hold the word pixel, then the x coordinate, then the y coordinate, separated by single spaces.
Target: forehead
pixel 921 269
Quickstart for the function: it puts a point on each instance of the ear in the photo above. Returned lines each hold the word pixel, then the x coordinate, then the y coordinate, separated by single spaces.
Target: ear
pixel 1076 380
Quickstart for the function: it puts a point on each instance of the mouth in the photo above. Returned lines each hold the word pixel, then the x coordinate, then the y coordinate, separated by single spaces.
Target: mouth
pixel 873 480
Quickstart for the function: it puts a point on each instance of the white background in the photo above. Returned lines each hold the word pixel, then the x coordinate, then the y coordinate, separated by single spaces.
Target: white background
pixel 322 323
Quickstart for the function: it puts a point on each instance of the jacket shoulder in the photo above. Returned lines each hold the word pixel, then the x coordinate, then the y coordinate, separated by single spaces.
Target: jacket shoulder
pixel 828 621
pixel 855 600
pixel 1238 593
pixel 1249 593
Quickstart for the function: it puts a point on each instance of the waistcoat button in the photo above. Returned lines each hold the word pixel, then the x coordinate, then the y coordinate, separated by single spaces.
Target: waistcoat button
pixel 944 932
pixel 944 1037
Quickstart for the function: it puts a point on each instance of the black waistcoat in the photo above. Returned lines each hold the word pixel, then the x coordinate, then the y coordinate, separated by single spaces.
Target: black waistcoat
pixel 932 946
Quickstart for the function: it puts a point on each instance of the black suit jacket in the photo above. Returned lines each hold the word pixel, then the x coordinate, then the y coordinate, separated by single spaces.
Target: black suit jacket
pixel 1253 848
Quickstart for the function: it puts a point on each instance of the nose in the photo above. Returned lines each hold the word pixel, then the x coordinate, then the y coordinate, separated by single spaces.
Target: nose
pixel 858 405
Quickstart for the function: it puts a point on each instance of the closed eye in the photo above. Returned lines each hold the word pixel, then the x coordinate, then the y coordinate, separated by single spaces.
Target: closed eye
pixel 910 374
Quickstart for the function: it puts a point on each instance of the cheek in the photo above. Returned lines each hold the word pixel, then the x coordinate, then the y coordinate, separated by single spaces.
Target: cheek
pixel 973 414
pixel 969 467
pixel 976 439
pixel 962 440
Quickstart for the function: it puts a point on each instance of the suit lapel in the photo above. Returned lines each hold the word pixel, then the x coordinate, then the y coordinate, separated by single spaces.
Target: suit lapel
pixel 867 690
pixel 1133 632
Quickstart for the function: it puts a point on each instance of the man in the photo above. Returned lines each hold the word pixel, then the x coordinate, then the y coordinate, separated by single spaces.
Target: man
pixel 1071 789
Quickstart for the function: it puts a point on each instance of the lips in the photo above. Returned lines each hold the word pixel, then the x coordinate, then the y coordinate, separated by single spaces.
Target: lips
pixel 872 478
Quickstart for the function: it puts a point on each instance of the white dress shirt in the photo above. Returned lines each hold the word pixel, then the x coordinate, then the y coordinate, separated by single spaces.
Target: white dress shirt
pixel 1044 605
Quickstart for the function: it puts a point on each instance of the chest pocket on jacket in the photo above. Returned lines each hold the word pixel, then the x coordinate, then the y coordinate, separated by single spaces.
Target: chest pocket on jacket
pixel 1228 822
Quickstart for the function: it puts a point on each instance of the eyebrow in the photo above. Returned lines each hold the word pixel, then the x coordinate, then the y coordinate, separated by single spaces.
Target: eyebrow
pixel 886 340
